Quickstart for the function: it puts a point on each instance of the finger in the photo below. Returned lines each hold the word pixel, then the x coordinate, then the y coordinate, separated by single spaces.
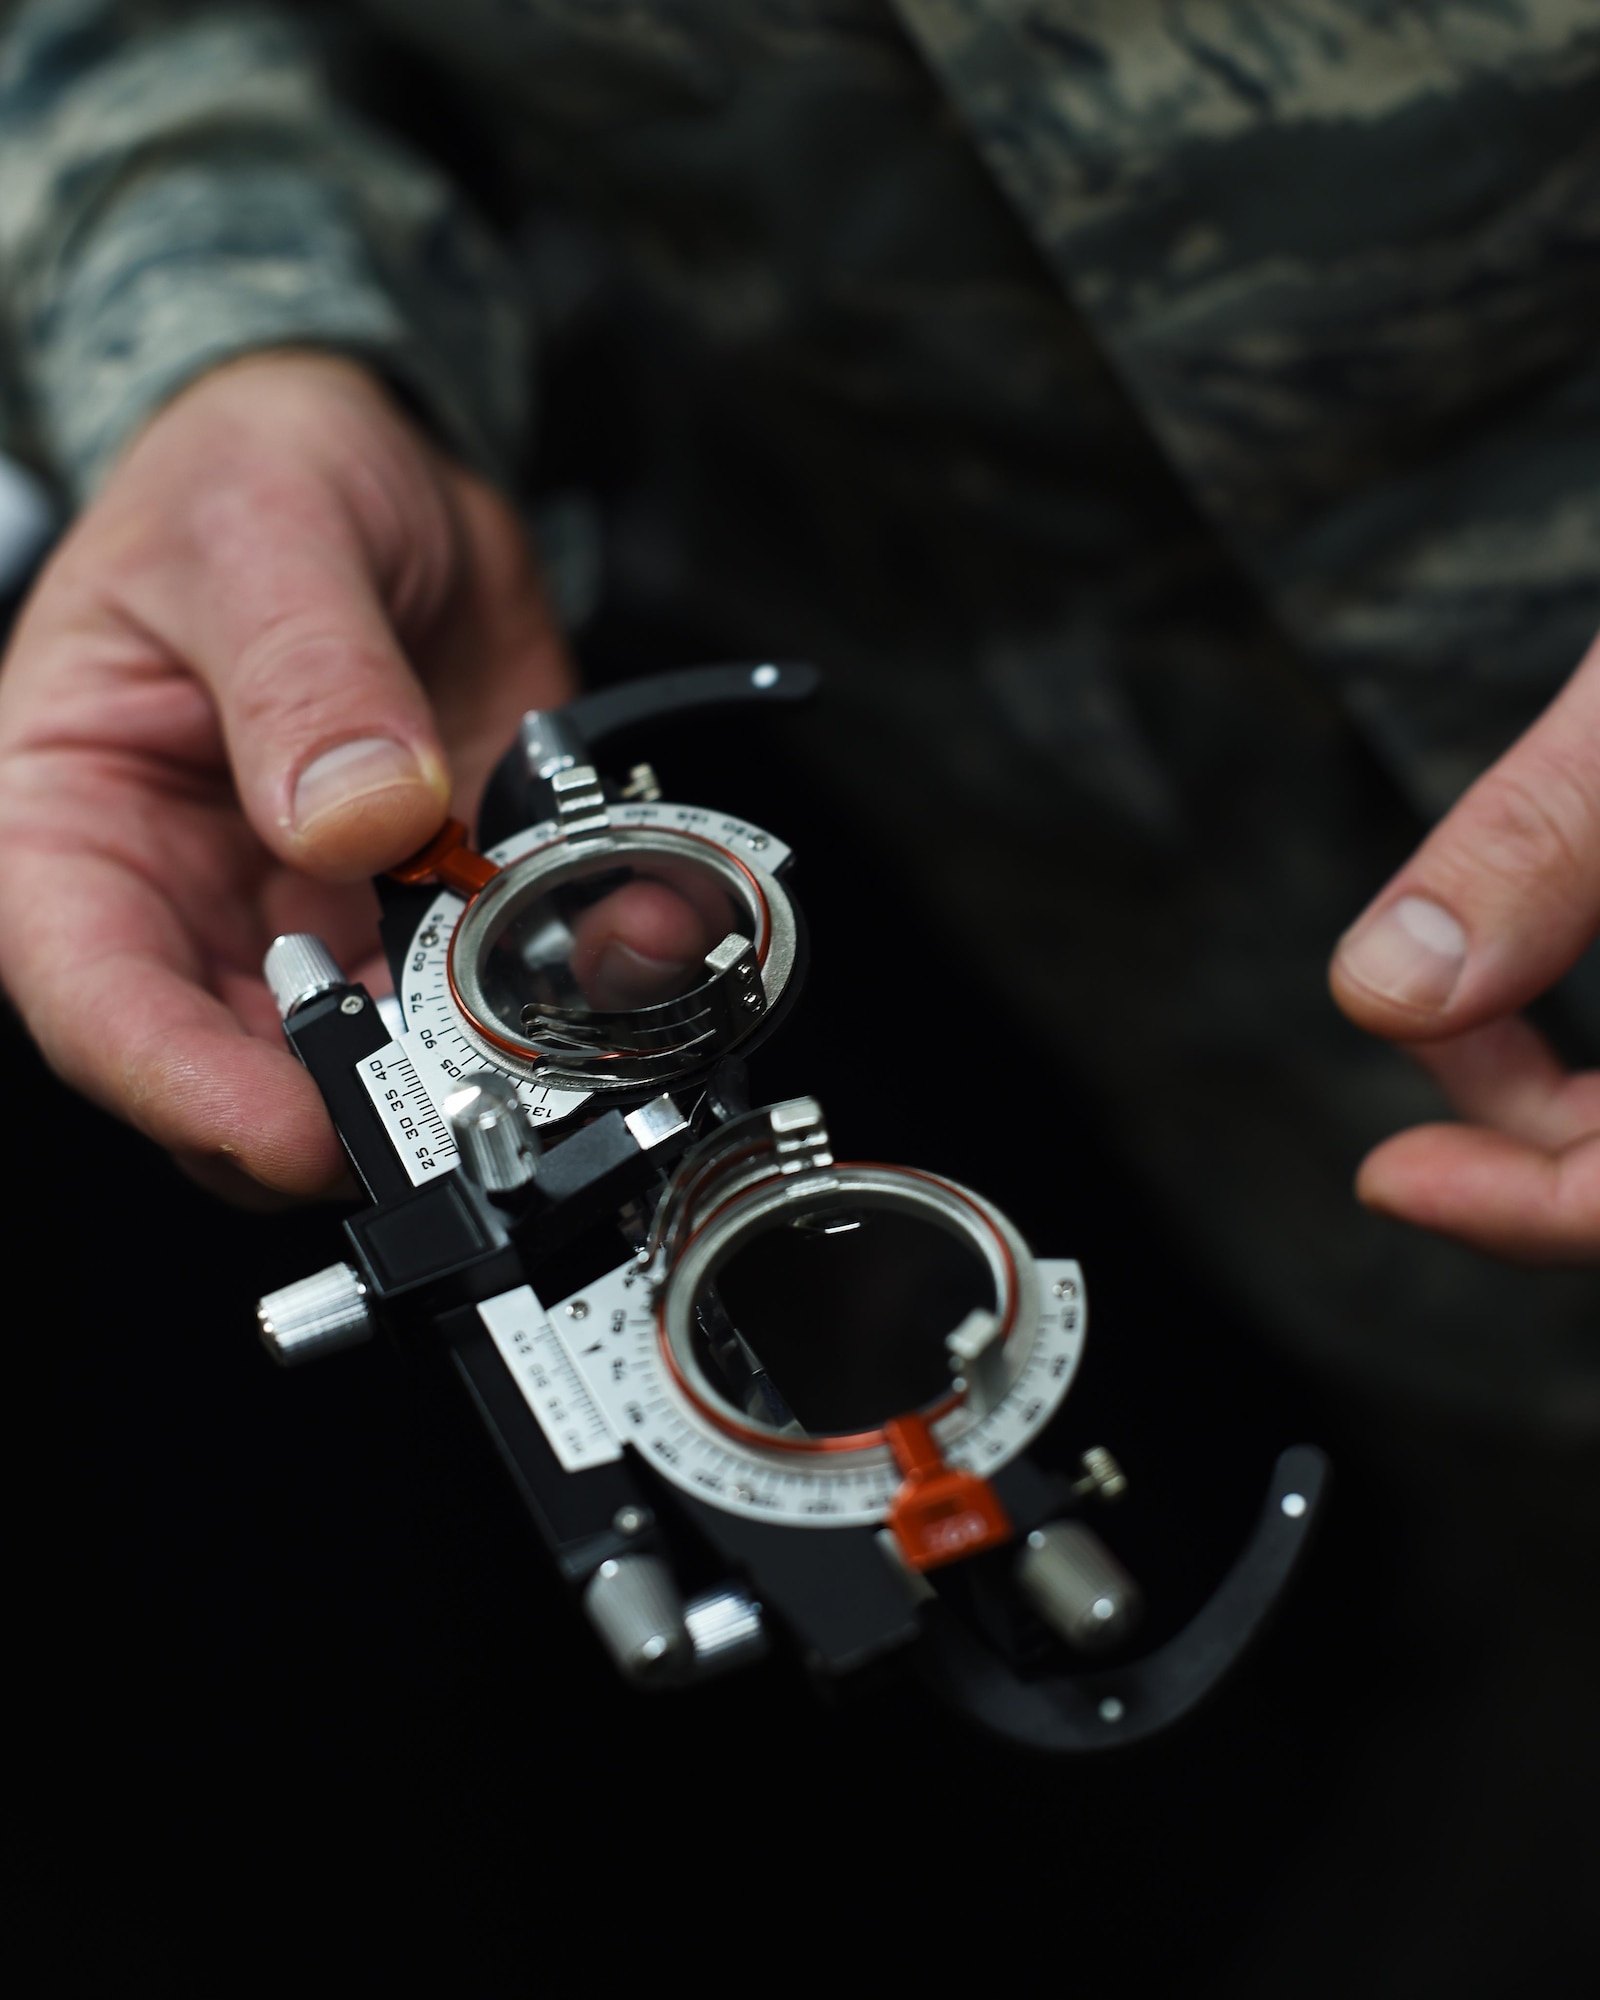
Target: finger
pixel 1494 1192
pixel 329 734
pixel 1500 899
pixel 501 652
pixel 642 944
pixel 107 981
pixel 1507 1077
pixel 230 1183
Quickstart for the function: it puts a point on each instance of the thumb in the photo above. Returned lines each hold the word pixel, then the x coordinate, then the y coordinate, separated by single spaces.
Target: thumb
pixel 1502 897
pixel 330 736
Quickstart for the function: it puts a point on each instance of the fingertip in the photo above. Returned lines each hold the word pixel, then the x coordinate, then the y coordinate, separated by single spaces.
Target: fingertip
pixel 1397 968
pixel 360 806
pixel 1386 1178
pixel 222 1174
pixel 1489 1191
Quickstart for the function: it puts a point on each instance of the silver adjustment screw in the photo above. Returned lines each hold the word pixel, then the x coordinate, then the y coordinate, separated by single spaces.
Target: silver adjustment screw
pixel 491 1131
pixel 633 1604
pixel 1077 1586
pixel 297 968
pixel 319 1315
pixel 1103 1478
pixel 643 785
pixel 726 1629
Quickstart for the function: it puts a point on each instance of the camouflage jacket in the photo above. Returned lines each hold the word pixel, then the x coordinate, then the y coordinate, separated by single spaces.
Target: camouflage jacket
pixel 1344 255
pixel 973 340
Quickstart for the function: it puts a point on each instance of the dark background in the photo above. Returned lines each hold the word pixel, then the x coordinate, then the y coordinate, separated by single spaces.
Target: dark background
pixel 299 1684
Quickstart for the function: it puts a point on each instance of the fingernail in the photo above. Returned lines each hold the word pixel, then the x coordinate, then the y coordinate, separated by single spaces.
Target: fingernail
pixel 1411 952
pixel 623 977
pixel 352 771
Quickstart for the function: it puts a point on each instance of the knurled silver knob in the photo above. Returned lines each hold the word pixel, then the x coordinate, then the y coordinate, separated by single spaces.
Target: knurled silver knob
pixel 634 1605
pixel 298 967
pixel 1077 1586
pixel 492 1133
pixel 319 1315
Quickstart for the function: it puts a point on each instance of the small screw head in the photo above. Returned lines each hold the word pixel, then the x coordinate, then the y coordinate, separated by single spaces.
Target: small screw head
pixel 1103 1478
pixel 765 676
pixel 631 1520
pixel 1064 1288
pixel 755 1002
pixel 743 1493
pixel 352 1003
pixel 578 1309
pixel 1293 1504
pixel 758 841
pixel 1111 1709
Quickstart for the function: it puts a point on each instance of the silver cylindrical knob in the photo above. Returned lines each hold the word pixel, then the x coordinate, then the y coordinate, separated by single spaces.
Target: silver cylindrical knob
pixel 726 1629
pixel 298 967
pixel 634 1605
pixel 1077 1586
pixel 319 1315
pixel 492 1133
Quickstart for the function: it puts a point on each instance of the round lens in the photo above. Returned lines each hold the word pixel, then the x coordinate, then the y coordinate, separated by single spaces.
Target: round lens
pixel 612 936
pixel 838 1322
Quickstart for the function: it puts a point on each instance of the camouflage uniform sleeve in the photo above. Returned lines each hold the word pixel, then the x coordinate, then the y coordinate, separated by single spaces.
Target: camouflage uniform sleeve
pixel 179 185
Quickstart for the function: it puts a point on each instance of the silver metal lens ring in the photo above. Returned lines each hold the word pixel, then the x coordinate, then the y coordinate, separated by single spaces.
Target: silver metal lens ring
pixel 617 1049
pixel 783 1200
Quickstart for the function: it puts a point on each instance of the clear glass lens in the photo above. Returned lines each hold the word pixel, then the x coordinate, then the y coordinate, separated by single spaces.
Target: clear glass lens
pixel 839 1322
pixel 614 936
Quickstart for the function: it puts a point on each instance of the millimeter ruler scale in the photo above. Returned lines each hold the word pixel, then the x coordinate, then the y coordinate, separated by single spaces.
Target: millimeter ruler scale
pixel 549 1380
pixel 413 1121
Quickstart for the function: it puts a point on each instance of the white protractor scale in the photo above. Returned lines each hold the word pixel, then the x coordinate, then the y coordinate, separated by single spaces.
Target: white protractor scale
pixel 409 1079
pixel 608 1335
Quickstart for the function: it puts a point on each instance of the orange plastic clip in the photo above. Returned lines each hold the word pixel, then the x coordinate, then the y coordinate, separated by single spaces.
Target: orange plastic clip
pixel 940 1514
pixel 448 857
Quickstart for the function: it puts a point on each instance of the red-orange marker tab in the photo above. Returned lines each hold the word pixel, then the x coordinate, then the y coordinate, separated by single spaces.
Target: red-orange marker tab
pixel 940 1514
pixel 448 857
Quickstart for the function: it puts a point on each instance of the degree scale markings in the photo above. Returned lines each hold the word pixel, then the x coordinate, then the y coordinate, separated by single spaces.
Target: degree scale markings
pixel 621 1364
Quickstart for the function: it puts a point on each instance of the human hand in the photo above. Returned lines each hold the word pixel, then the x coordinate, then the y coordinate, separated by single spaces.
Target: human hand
pixel 1496 904
pixel 252 675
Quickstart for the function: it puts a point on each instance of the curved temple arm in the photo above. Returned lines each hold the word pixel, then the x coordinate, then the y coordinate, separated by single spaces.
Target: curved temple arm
pixel 519 796
pixel 654 696
pixel 1109 1709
